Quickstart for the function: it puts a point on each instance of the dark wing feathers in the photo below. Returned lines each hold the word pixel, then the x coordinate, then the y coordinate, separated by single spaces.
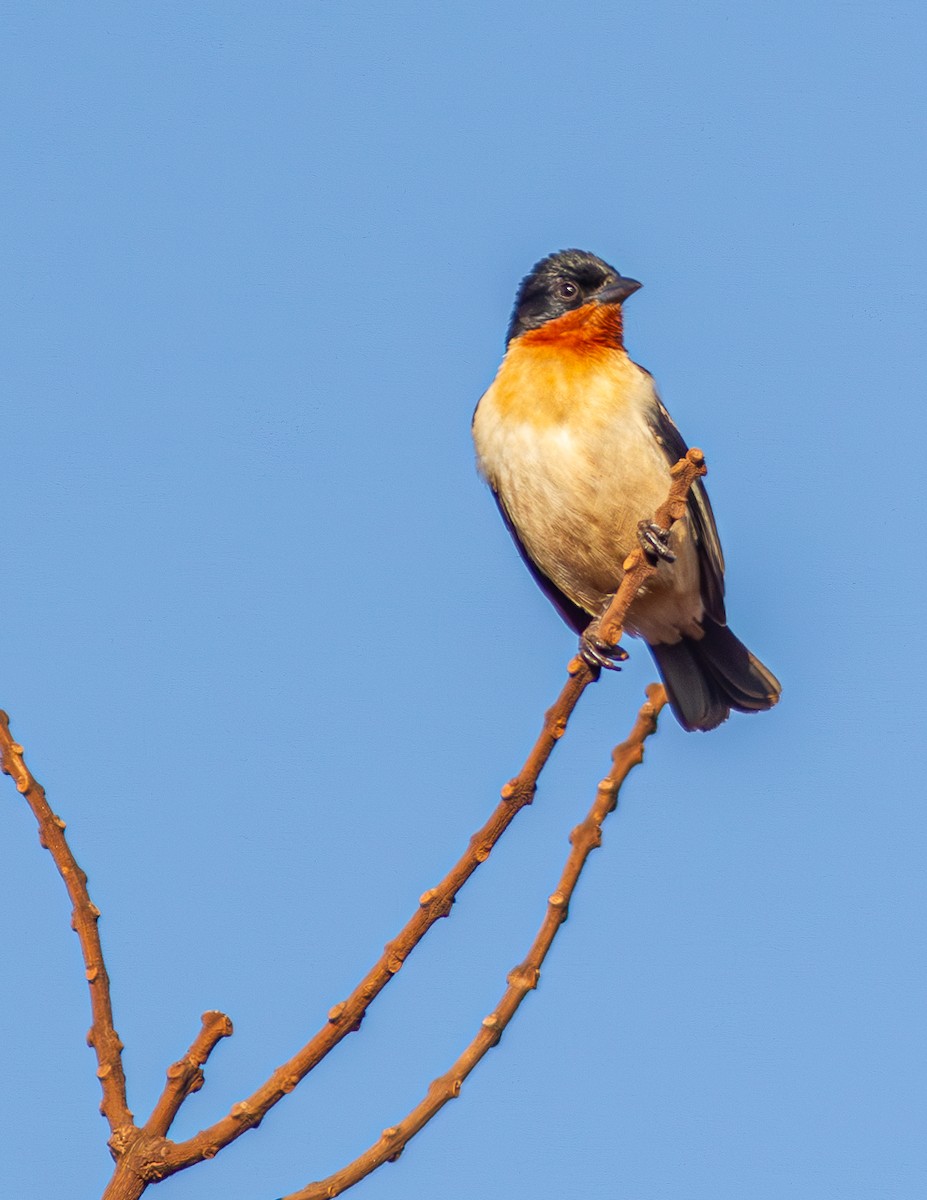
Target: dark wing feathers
pixel 702 519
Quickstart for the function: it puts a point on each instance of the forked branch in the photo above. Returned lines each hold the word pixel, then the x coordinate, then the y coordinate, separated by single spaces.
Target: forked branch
pixel 346 1017
pixel 146 1155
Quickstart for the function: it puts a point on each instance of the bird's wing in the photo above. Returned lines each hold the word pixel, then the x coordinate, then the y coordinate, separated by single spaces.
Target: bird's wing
pixel 702 519
pixel 577 618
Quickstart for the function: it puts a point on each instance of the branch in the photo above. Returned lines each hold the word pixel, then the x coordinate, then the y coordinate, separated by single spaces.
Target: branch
pixel 186 1075
pixel 584 838
pixel 346 1017
pixel 145 1155
pixel 637 569
pixel 102 1036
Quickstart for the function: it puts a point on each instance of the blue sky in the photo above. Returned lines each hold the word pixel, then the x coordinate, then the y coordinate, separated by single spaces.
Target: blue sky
pixel 272 654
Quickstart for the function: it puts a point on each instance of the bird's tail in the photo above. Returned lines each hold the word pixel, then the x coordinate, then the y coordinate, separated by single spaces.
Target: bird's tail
pixel 705 679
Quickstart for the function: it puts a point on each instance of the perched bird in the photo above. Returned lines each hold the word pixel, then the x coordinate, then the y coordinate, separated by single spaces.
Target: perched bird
pixel 574 442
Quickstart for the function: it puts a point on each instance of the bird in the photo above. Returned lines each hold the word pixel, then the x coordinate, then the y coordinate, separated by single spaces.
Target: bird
pixel 576 446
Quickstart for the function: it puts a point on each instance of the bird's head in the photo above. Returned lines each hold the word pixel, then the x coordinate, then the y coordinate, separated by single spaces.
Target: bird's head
pixel 570 281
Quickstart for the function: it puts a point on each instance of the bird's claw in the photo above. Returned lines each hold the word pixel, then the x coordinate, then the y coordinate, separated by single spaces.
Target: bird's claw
pixel 653 541
pixel 598 653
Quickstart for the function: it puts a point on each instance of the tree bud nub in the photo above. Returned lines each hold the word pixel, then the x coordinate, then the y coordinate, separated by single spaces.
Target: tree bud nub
pixel 523 977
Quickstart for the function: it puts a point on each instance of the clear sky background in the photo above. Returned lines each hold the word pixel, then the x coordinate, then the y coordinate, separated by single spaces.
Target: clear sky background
pixel 271 652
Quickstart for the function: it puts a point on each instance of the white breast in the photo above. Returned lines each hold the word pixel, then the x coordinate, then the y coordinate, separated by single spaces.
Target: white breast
pixel 575 489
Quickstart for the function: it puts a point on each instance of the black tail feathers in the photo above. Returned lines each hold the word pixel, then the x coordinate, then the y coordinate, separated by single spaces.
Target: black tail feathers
pixel 705 679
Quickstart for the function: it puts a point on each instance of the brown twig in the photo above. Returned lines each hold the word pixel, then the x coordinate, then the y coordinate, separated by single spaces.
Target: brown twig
pixel 149 1159
pixel 435 903
pixel 346 1017
pixel 186 1075
pixel 102 1036
pixel 152 1158
pixel 637 569
pixel 584 838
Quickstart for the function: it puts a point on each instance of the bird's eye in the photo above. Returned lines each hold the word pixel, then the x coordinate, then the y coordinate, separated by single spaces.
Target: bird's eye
pixel 567 290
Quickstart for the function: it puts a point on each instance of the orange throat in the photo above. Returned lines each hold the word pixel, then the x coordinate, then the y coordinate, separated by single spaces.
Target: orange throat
pixel 589 329
pixel 570 369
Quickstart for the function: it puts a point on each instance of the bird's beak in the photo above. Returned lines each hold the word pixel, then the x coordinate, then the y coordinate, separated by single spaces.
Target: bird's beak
pixel 618 292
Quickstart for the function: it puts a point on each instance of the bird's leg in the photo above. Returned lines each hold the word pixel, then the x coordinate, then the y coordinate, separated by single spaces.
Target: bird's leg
pixel 653 541
pixel 594 650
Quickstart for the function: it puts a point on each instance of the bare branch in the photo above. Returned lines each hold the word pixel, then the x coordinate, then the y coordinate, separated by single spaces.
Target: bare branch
pixel 637 570
pixel 102 1036
pixel 435 903
pixel 186 1075
pixel 146 1155
pixel 584 838
pixel 346 1017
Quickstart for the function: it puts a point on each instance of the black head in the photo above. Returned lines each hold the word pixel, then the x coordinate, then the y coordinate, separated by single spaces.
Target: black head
pixel 562 282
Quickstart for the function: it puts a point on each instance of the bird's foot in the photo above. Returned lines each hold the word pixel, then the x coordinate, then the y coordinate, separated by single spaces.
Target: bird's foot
pixel 653 541
pixel 594 650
